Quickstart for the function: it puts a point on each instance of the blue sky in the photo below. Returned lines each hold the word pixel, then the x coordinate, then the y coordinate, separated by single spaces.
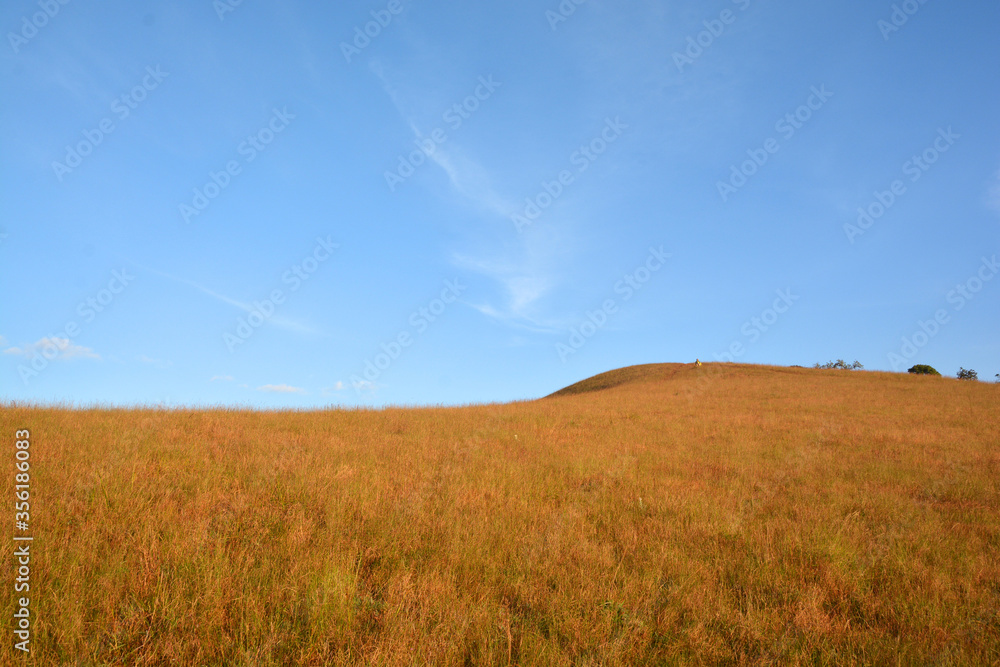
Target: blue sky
pixel 259 204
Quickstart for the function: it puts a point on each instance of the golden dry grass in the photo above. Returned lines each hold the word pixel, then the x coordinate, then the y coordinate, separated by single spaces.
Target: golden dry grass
pixel 723 514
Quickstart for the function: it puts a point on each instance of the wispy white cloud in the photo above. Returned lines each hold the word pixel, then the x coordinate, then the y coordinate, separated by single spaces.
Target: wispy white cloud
pixel 523 266
pixel 276 320
pixel 337 386
pixel 281 389
pixel 472 181
pixel 467 176
pixel 159 363
pixel 221 378
pixel 522 283
pixel 364 385
pixel 54 348
pixel 378 68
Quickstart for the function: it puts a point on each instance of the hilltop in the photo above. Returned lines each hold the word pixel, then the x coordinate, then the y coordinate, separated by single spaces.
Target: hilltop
pixel 624 376
pixel 667 372
pixel 691 380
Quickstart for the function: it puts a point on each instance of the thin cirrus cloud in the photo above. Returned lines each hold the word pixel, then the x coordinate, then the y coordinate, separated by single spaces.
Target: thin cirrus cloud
pixel 523 274
pixel 469 178
pixel 276 320
pixel 338 386
pixel 54 348
pixel 281 389
pixel 158 363
pixel 523 287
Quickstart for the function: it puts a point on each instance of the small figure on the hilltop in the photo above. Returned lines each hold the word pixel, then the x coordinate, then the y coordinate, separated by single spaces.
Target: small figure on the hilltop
pixel 697 362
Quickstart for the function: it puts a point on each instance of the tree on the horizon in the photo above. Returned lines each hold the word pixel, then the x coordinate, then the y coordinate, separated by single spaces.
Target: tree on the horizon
pixel 842 365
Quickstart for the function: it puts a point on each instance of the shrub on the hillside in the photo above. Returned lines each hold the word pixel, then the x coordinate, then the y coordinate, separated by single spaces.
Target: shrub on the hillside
pixel 922 369
pixel 967 374
pixel 842 365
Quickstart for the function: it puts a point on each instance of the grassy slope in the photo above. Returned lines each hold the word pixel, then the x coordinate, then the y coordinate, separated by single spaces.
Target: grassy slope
pixel 723 514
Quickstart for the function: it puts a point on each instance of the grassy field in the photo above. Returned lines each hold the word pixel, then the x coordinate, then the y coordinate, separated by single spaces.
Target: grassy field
pixel 661 514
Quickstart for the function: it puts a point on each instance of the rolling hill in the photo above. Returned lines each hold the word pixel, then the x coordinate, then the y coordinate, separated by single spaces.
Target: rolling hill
pixel 655 514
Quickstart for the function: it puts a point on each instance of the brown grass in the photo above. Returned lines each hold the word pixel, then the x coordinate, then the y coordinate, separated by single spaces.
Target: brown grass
pixel 761 516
